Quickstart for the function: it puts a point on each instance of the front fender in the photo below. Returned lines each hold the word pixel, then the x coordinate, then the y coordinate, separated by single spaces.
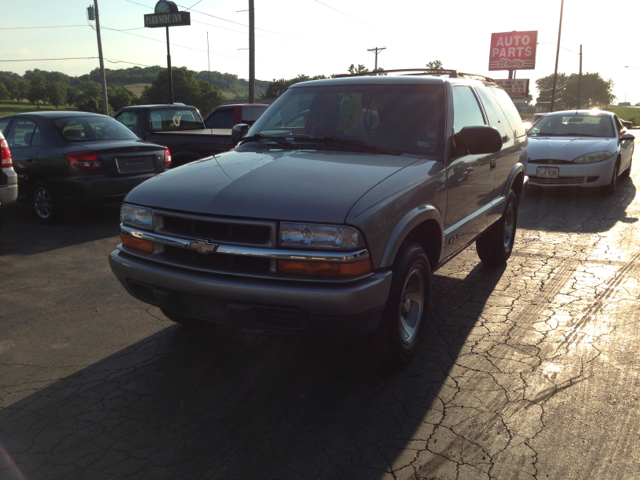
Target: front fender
pixel 410 221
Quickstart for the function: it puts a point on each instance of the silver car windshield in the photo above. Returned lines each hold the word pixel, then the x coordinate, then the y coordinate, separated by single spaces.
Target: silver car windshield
pixel 393 118
pixel 573 126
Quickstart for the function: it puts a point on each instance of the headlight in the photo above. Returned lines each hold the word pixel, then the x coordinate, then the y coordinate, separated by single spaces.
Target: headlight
pixel 593 157
pixel 296 235
pixel 133 216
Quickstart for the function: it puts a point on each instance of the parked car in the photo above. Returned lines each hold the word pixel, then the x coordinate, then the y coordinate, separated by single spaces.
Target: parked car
pixel 585 148
pixel 226 116
pixel 533 120
pixel 338 221
pixel 8 177
pixel 64 158
pixel 177 126
pixel 627 124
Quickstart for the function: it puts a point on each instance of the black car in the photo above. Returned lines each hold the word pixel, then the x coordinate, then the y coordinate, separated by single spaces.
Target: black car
pixel 65 158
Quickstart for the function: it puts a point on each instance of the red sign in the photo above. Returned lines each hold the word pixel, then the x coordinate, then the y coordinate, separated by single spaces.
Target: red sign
pixel 513 51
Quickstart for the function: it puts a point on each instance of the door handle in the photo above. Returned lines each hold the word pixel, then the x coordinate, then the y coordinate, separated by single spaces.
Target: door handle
pixel 492 164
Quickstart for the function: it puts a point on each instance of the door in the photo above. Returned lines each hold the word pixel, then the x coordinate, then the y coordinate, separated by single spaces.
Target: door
pixel 24 141
pixel 470 178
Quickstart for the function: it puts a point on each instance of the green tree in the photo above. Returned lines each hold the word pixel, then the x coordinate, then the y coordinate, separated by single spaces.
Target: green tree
pixel 73 95
pixel 434 65
pixel 595 91
pixel 359 69
pixel 120 97
pixel 278 87
pixel 4 92
pixel 545 89
pixel 56 93
pixel 18 88
pixel 186 89
pixel 37 89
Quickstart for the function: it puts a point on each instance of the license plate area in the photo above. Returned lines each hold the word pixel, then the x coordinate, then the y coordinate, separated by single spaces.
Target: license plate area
pixel 547 172
pixel 138 164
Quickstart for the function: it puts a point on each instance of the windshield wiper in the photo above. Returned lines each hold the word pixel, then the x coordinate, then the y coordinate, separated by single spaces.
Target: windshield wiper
pixel 543 134
pixel 259 137
pixel 342 142
pixel 578 135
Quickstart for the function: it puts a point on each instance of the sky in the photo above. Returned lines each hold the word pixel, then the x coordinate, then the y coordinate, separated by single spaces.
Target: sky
pixel 316 37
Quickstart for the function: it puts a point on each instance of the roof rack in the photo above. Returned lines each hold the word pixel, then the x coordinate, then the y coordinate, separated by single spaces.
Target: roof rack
pixel 421 71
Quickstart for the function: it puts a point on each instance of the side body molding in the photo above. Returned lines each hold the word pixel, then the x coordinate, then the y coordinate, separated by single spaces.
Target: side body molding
pixel 411 220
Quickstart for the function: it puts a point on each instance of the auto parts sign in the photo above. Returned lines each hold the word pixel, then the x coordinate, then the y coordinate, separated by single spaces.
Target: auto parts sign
pixel 513 51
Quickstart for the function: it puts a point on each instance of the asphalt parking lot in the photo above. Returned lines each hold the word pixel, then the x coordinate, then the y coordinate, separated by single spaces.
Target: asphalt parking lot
pixel 528 372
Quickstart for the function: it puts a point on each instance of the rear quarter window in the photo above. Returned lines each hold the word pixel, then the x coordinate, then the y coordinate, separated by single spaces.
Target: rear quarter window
pixel 509 110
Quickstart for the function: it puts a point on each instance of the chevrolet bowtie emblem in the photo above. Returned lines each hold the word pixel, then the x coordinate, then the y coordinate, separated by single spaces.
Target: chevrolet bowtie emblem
pixel 203 246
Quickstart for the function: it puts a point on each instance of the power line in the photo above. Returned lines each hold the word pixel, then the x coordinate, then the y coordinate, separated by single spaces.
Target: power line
pixel 33 28
pixel 48 59
pixel 343 13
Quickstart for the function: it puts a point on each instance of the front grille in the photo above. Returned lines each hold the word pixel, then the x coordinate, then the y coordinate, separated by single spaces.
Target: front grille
pixel 557 181
pixel 260 234
pixel 219 262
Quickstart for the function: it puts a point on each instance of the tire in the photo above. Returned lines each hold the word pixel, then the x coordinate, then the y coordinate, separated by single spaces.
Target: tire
pixel 43 203
pixel 627 172
pixel 613 185
pixel 405 315
pixel 495 245
pixel 184 320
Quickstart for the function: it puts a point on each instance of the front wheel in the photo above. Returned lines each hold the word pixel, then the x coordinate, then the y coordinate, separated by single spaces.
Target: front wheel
pixel 613 185
pixel 405 315
pixel 495 245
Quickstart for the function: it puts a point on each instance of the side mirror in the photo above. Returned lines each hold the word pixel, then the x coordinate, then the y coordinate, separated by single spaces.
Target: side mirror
pixel 478 140
pixel 238 131
pixel 627 136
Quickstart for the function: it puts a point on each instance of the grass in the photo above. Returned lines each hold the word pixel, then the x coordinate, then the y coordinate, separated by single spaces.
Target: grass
pixel 11 107
pixel 627 113
pixel 137 88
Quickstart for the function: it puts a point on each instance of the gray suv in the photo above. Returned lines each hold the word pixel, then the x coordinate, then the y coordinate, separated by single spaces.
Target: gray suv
pixel 334 209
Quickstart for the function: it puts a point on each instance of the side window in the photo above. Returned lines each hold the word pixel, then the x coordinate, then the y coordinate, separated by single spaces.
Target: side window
pixel 495 114
pixel 509 109
pixel 220 119
pixel 3 126
pixel 129 119
pixel 251 114
pixel 21 133
pixel 466 111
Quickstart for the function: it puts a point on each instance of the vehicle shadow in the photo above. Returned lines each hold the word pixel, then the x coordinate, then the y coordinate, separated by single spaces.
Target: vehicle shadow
pixel 228 404
pixel 22 234
pixel 576 209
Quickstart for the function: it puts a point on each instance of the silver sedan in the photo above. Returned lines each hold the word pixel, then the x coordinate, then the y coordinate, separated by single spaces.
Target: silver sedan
pixel 587 148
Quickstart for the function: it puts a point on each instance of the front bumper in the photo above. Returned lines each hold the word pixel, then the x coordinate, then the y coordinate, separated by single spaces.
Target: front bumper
pixel 587 175
pixel 348 308
pixel 9 186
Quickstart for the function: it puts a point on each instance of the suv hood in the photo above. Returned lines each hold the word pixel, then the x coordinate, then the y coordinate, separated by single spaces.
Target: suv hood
pixel 312 186
pixel 567 148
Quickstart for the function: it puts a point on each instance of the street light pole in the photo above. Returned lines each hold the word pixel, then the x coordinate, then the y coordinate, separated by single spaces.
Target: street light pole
pixel 555 73
pixel 579 79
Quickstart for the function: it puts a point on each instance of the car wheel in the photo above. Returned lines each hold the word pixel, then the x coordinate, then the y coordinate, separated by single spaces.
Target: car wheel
pixel 405 315
pixel 42 201
pixel 494 246
pixel 613 185
pixel 627 172
pixel 181 319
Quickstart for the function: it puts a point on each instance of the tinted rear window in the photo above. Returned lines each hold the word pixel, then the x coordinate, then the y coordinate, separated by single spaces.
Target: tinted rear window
pixel 509 109
pixel 91 128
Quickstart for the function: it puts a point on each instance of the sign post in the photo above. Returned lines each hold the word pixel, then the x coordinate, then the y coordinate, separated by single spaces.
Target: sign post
pixel 166 15
pixel 514 51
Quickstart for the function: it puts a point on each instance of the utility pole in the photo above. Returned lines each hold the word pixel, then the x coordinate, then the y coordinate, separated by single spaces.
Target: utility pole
pixel 555 73
pixel 208 76
pixel 169 71
pixel 252 56
pixel 103 77
pixel 376 50
pixel 579 79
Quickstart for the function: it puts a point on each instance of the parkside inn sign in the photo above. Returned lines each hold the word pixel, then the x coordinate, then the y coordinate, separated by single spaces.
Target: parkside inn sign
pixel 513 51
pixel 166 14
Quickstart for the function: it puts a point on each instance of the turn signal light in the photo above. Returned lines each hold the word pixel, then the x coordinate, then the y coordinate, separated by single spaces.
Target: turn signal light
pixel 84 160
pixel 324 269
pixel 167 156
pixel 136 243
pixel 5 154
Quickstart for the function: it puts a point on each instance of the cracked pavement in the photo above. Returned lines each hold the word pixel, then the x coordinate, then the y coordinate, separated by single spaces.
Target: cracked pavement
pixel 527 372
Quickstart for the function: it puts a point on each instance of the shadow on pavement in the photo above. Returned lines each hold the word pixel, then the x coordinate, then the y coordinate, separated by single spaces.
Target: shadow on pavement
pixel 22 234
pixel 585 210
pixel 219 403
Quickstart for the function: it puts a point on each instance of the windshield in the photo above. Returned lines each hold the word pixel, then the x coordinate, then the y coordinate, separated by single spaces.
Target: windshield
pixel 573 126
pixel 82 129
pixel 391 118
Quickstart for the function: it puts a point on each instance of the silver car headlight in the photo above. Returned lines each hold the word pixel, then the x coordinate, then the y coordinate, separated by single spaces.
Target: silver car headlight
pixel 593 157
pixel 135 216
pixel 309 235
